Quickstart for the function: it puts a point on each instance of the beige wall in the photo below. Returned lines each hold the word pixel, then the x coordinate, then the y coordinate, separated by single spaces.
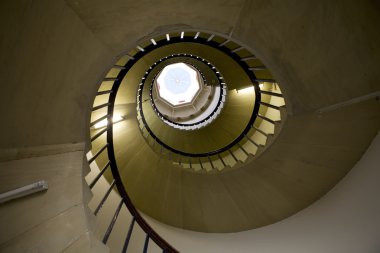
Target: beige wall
pixel 346 220
pixel 50 64
pixel 52 220
pixel 321 52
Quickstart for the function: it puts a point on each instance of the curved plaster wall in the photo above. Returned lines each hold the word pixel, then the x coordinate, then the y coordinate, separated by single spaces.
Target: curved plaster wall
pixel 346 220
pixel 54 51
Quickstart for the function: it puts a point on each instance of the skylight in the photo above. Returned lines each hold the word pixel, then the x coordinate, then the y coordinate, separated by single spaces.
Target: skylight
pixel 178 83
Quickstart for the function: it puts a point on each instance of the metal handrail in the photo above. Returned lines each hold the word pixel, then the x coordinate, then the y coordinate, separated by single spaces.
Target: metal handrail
pixel 136 217
pixel 115 172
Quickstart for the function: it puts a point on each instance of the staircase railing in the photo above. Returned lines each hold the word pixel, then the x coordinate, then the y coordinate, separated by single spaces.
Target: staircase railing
pixel 104 155
pixel 247 143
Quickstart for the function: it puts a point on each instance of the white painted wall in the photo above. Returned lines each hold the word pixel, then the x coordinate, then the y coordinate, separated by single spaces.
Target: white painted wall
pixel 346 220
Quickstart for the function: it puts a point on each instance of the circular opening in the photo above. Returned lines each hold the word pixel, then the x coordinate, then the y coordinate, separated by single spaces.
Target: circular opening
pixel 178 83
pixel 184 92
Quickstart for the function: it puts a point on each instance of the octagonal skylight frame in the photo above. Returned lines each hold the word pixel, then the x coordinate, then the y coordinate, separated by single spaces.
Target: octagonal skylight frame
pixel 178 84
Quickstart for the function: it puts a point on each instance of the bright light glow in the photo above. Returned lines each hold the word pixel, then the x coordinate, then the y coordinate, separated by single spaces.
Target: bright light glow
pixel 153 41
pixel 261 85
pixel 103 123
pixel 196 35
pixel 182 34
pixel 167 37
pixel 178 83
pixel 246 90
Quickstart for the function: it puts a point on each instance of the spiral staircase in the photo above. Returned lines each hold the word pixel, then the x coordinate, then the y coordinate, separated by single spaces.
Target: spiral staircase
pixel 162 167
pixel 295 110
pixel 239 132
